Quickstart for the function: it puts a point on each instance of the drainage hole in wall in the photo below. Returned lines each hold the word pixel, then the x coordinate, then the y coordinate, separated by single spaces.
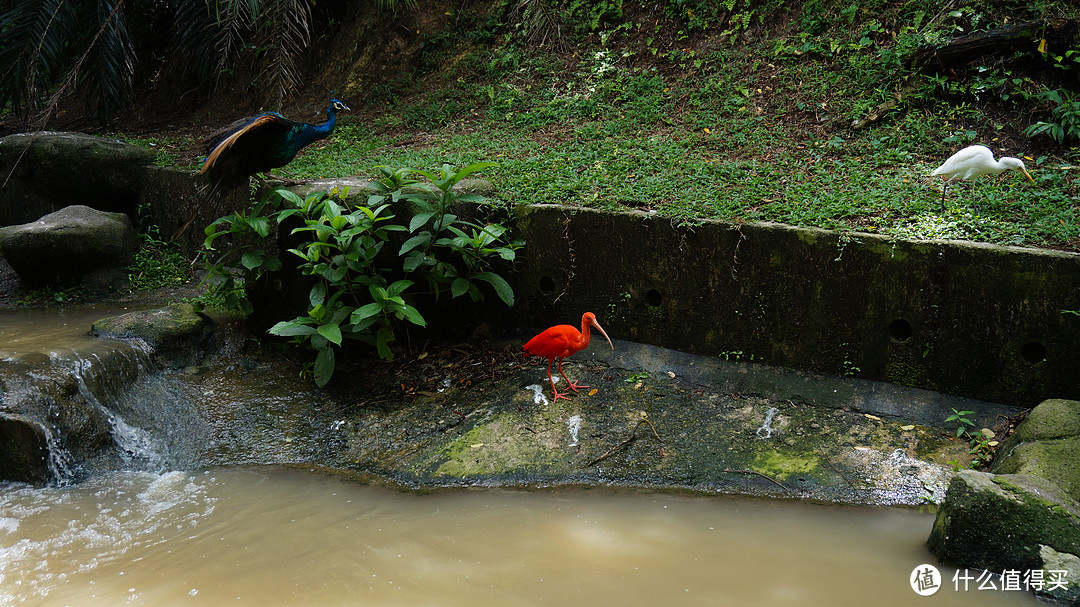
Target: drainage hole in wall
pixel 1033 352
pixel 653 297
pixel 900 329
pixel 547 285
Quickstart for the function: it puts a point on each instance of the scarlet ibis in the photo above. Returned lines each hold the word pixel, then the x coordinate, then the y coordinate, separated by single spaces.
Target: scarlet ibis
pixel 973 161
pixel 561 341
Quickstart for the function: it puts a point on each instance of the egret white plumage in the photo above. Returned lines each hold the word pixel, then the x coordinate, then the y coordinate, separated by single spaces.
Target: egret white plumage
pixel 973 161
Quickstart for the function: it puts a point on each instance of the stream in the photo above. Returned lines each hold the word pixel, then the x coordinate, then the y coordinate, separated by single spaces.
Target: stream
pixel 190 512
pixel 278 536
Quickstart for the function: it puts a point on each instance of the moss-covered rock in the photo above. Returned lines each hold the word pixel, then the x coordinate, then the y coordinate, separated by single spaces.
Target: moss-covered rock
pixel 172 332
pixel 50 170
pixel 1047 445
pixel 1008 522
pixel 1055 460
pixel 1053 418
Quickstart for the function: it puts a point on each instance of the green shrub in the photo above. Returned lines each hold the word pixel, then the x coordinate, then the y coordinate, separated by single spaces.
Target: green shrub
pixel 355 296
pixel 1065 114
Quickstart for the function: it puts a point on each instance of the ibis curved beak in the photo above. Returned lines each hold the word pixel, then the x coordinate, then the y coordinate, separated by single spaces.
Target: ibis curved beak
pixel 602 332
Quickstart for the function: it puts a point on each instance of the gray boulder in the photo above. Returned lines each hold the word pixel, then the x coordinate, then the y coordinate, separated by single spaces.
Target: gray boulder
pixel 76 243
pixel 1024 515
pixel 48 170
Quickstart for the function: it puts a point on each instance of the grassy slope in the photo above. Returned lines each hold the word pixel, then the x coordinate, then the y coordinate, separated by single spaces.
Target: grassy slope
pixel 745 115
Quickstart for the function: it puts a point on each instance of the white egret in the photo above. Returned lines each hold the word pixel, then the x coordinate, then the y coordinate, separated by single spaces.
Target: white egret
pixel 973 161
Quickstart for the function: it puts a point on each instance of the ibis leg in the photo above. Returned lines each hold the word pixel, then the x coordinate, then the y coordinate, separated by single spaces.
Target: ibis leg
pixel 573 385
pixel 552 380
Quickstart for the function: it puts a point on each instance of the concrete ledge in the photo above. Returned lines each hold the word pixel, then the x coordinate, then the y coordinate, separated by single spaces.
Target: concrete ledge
pixel 974 320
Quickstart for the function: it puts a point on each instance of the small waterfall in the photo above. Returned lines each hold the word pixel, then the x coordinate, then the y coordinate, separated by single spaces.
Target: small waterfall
pixel 62 465
pixel 138 449
pixel 99 383
pixel 84 405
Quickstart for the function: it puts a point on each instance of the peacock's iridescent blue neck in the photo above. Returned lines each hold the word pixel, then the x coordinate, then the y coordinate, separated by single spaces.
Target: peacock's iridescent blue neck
pixel 315 132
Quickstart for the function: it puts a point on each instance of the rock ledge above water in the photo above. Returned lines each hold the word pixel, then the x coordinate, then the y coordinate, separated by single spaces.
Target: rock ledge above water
pixel 1025 515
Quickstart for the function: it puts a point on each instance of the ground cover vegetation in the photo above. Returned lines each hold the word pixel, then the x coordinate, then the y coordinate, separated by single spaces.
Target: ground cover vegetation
pixel 694 109
pixel 745 111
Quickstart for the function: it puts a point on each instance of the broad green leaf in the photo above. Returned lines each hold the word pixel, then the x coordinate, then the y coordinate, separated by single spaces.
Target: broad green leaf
pixel 289 196
pixel 465 172
pixel 337 273
pixel 361 326
pixel 502 288
pixel 366 311
pixel 324 366
pixel 398 287
pixel 413 261
pixel 421 239
pixel 261 225
pixel 459 287
pixel 413 316
pixel 291 328
pixel 331 332
pixel 317 295
pixel 419 220
pixel 251 259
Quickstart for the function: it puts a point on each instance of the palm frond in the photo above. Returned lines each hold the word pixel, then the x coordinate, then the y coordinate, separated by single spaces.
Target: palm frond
pixel 195 37
pixel 283 31
pixel 112 61
pixel 541 24
pixel 232 20
pixel 394 5
pixel 33 50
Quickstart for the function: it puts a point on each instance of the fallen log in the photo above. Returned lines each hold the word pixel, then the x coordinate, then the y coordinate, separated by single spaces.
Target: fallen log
pixel 1059 34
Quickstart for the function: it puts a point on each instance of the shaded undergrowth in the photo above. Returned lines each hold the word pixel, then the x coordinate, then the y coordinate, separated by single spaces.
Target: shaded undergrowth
pixel 740 114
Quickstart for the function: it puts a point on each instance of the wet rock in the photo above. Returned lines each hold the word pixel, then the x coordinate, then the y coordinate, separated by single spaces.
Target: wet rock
pixel 74 244
pixel 1045 445
pixel 1052 418
pixel 174 333
pixel 685 429
pixel 48 430
pixel 24 451
pixel 1024 514
pixel 50 170
pixel 1010 522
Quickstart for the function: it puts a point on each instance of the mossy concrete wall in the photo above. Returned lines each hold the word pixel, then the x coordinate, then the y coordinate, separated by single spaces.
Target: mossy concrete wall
pixel 973 320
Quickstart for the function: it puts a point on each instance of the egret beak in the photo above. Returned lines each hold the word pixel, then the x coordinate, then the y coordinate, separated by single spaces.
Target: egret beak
pixel 602 332
pixel 1026 174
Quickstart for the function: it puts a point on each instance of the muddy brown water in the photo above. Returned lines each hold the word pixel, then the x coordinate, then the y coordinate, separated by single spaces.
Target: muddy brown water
pixel 277 536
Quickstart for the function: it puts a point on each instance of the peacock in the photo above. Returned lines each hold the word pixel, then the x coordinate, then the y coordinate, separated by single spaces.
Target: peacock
pixel 258 144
